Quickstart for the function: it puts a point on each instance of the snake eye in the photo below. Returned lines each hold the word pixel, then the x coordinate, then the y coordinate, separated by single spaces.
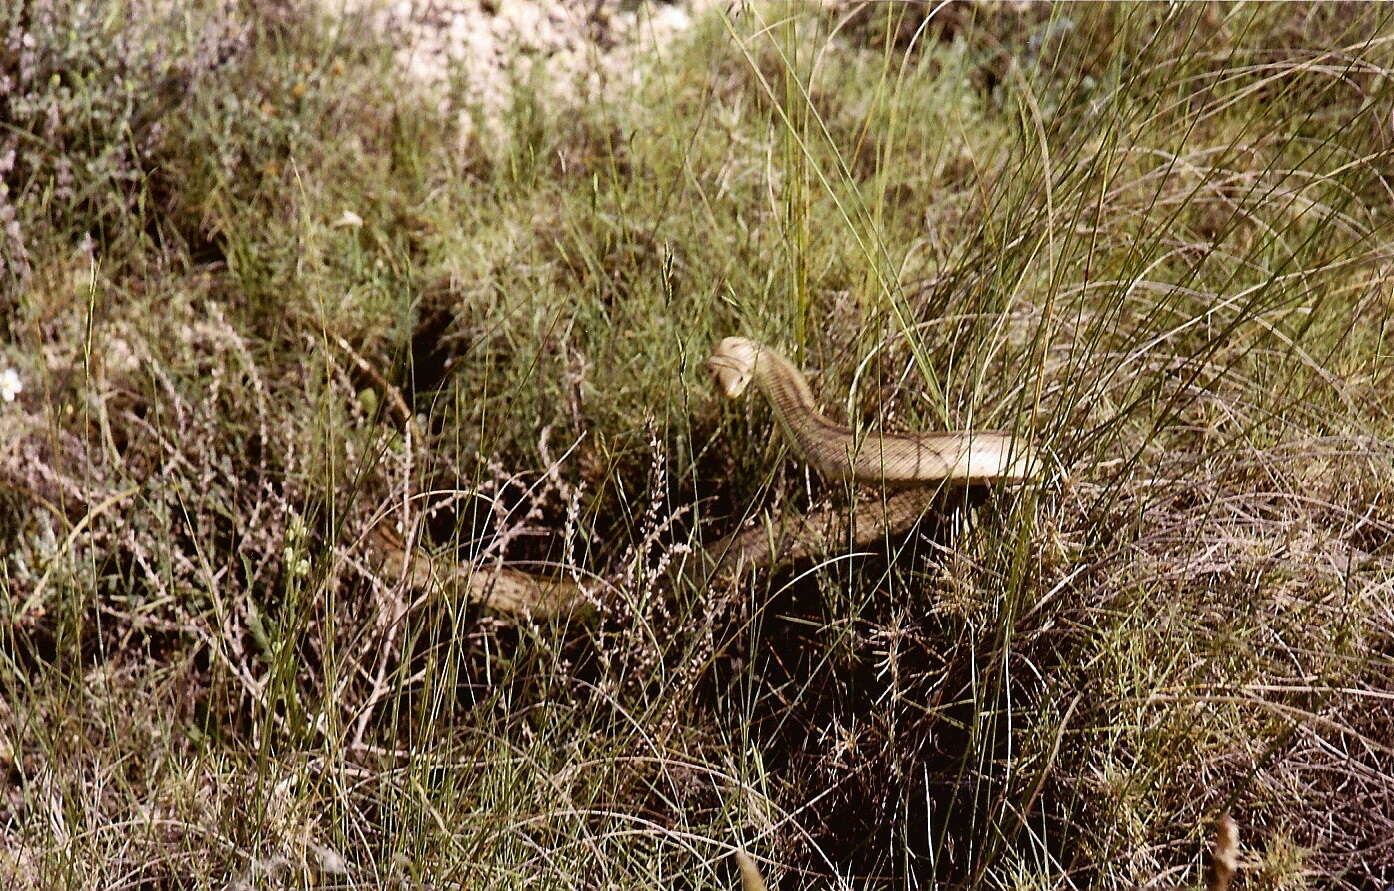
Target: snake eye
pixel 730 376
pixel 732 363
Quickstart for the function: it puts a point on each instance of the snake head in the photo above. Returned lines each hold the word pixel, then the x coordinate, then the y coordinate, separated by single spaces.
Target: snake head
pixel 732 363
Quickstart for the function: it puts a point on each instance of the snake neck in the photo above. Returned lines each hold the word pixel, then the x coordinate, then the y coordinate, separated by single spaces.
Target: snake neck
pixel 787 392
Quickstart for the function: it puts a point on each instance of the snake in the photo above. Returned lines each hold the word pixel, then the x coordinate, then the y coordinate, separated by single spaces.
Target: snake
pixel 836 452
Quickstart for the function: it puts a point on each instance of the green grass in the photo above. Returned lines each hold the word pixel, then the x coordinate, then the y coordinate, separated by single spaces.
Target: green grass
pixel 1154 239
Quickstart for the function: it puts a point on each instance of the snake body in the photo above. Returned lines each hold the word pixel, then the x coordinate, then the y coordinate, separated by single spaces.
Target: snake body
pixel 838 452
pixel 835 451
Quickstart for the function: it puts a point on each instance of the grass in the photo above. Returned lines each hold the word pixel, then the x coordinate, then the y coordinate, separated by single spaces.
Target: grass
pixel 1152 238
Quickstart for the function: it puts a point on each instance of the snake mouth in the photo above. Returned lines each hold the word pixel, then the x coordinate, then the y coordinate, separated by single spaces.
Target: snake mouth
pixel 733 364
pixel 731 375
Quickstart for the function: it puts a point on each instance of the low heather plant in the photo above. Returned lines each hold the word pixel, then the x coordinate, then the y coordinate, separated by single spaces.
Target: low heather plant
pixel 86 91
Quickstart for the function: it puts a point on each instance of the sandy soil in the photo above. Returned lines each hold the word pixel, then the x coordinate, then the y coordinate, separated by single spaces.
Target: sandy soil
pixel 474 49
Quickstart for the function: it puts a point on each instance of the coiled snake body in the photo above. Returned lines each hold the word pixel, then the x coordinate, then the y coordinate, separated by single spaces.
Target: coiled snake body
pixel 835 451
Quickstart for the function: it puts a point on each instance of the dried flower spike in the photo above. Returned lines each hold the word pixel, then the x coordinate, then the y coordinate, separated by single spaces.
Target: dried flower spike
pixel 1224 857
pixel 751 880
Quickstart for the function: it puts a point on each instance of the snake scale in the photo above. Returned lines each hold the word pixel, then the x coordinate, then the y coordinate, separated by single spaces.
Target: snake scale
pixel 834 451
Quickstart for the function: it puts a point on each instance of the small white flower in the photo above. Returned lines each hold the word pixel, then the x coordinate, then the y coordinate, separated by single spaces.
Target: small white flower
pixel 296 563
pixel 10 387
pixel 349 220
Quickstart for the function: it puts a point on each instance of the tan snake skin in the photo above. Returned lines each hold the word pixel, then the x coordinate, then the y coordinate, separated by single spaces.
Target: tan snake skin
pixel 838 452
